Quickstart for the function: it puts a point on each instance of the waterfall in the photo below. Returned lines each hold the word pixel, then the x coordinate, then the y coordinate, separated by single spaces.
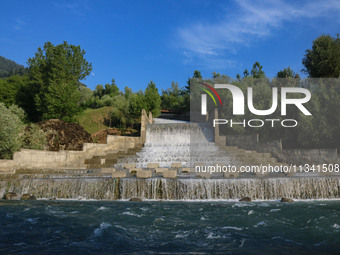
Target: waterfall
pixel 177 189
pixel 65 188
pixel 186 143
pixel 193 189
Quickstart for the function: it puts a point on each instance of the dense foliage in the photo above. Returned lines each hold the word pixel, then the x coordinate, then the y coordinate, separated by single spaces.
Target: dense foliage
pixel 323 60
pixel 55 72
pixel 51 87
pixel 13 133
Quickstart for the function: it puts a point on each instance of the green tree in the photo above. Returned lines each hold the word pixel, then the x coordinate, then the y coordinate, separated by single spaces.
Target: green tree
pixel 215 75
pixel 55 72
pixel 11 126
pixel 111 89
pixel 287 73
pixel 196 75
pixel 323 60
pixel 173 98
pixel 9 88
pixel 257 71
pixel 245 73
pixel 136 104
pixel 99 91
pixel 152 99
pixel 85 95
pixel 127 92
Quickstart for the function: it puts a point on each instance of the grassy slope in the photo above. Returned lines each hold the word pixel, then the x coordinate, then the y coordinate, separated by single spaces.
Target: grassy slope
pixel 92 119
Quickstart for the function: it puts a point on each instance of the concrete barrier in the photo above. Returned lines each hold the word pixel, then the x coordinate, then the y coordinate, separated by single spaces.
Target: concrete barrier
pixel 144 174
pixel 107 170
pixel 129 165
pixel 160 169
pixel 176 165
pixel 170 174
pixel 119 174
pixel 153 165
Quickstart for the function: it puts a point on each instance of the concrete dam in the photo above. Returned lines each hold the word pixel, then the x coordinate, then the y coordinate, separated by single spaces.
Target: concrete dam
pixel 165 168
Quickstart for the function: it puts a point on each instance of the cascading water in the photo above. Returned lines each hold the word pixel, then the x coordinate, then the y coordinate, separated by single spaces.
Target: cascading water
pixel 193 189
pixel 186 143
pixel 65 188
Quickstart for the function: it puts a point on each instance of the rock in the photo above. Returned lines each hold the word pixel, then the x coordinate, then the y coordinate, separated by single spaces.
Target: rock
pixel 285 199
pixel 11 196
pixel 245 199
pixel 27 196
pixel 135 199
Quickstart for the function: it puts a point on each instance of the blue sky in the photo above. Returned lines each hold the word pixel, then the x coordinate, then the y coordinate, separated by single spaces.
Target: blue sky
pixel 166 40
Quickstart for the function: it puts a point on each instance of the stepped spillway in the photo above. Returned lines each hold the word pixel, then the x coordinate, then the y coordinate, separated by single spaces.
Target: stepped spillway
pixel 177 189
pixel 185 143
pixel 167 143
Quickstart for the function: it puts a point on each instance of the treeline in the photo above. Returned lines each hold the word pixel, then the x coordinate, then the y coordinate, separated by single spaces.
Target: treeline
pixel 51 88
pixel 126 105
pixel 321 130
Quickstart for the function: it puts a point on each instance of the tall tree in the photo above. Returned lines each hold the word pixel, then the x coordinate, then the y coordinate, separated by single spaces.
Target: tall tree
pixel 257 71
pixel 323 60
pixel 55 72
pixel 152 99
pixel 287 73
pixel 173 98
pixel 111 89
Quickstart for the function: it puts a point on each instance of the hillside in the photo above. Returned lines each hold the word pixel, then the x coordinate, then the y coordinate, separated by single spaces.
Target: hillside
pixel 9 68
pixel 92 120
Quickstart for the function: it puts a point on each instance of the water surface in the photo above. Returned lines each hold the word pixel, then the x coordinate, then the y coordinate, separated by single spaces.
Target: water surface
pixel 156 227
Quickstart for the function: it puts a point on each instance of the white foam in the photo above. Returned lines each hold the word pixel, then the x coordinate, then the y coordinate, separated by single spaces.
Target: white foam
pixel 262 223
pixel 102 208
pixel 131 214
pixel 232 227
pixel 211 236
pixel 336 226
pixel 103 225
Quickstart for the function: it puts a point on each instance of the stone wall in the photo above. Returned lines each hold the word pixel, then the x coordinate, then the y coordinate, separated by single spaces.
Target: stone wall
pixel 145 119
pixel 292 156
pixel 36 159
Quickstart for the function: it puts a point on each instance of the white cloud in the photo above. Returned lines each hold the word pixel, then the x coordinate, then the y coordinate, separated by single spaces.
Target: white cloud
pixel 92 73
pixel 77 7
pixel 251 21
pixel 19 24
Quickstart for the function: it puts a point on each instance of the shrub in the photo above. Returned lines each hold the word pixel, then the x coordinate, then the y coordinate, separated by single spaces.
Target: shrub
pixel 11 126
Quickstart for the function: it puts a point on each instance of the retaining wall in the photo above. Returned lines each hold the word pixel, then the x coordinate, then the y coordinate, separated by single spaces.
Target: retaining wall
pixel 292 156
pixel 37 159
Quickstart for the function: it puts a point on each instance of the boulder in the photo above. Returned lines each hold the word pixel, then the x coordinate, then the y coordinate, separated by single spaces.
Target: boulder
pixel 135 199
pixel 11 196
pixel 285 199
pixel 245 199
pixel 27 196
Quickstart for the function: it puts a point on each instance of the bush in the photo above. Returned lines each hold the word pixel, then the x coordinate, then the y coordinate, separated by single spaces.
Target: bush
pixel 34 138
pixel 11 128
